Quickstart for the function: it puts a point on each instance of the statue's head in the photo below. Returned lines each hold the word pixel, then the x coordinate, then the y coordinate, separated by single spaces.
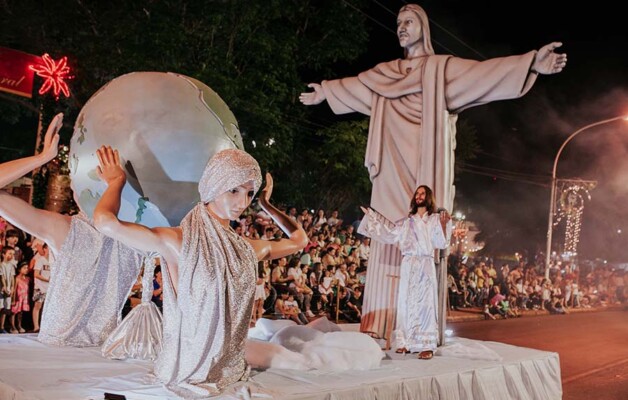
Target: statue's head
pixel 425 26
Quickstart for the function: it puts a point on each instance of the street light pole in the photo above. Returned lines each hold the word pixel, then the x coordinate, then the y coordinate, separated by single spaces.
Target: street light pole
pixel 550 218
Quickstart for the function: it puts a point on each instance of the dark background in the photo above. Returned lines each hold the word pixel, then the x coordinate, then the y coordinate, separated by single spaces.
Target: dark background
pixel 519 138
pixel 504 189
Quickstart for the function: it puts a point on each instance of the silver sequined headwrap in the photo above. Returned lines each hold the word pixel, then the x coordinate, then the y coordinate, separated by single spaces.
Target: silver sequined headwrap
pixel 226 170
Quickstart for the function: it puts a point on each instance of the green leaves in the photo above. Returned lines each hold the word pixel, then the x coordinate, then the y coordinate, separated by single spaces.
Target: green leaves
pixel 258 55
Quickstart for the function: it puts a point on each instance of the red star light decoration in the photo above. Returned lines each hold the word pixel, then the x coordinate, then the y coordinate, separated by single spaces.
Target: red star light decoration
pixel 54 73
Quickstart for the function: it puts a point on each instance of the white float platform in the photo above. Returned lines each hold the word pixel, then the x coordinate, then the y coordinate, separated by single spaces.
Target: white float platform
pixel 30 370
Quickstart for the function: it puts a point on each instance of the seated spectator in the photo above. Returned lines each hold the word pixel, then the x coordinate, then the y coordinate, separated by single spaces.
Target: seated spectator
pixel 342 275
pixel 263 219
pixel 349 311
pixel 320 219
pixel 279 277
pixel 269 233
pixel 286 307
pixel 575 295
pixel 487 312
pixel 135 296
pixel 365 250
pixel 352 275
pixel 299 288
pixel 504 305
pixel 322 241
pixel 333 220
pixel 251 232
pixel 557 308
pixel 158 291
pixel 455 295
pixel 292 213
pixel 305 218
pixel 495 301
pixel 309 255
pixel 260 293
pixel 246 223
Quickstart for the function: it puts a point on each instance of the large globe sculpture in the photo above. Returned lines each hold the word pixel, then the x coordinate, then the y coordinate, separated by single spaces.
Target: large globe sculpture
pixel 166 127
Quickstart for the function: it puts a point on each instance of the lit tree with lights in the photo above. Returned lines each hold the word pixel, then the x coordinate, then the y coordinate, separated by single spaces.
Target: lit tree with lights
pixel 570 207
pixel 51 185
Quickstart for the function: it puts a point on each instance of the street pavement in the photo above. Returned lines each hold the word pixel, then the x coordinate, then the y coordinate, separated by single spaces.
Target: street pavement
pixel 592 345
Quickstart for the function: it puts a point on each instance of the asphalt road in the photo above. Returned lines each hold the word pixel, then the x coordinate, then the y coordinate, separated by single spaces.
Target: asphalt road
pixel 593 348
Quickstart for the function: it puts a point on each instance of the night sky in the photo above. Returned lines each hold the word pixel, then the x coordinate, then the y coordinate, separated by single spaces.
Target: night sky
pixel 509 192
pixel 519 138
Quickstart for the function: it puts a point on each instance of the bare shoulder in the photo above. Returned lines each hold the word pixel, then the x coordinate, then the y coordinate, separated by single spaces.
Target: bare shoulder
pixel 170 235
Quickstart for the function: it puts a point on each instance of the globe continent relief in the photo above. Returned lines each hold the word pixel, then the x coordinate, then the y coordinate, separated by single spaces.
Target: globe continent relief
pixel 166 127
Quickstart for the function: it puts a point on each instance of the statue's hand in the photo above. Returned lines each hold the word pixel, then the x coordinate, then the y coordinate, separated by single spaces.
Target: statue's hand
pixel 547 62
pixel 312 98
pixel 110 170
pixel 51 139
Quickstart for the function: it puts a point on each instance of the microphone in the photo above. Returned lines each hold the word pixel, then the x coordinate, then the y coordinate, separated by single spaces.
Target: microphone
pixel 441 209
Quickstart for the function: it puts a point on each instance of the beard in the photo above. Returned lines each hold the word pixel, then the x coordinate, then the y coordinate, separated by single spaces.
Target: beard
pixel 422 203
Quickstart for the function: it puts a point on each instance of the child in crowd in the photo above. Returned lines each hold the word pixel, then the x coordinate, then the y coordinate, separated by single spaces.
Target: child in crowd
pixel 325 288
pixel 287 307
pixel 260 292
pixel 487 312
pixel 7 283
pixel 20 297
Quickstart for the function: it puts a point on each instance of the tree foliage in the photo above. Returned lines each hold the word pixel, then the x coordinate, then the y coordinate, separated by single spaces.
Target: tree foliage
pixel 252 53
pixel 257 55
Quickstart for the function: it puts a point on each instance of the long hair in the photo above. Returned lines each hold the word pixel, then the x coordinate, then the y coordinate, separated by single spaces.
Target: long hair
pixel 425 26
pixel 430 201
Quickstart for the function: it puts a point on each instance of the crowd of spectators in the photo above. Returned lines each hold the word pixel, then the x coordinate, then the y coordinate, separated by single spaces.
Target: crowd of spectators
pixel 24 276
pixel 327 278
pixel 506 291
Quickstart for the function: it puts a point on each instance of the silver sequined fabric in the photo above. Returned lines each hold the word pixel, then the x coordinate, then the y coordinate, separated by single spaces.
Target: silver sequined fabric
pixel 139 336
pixel 226 170
pixel 90 281
pixel 206 323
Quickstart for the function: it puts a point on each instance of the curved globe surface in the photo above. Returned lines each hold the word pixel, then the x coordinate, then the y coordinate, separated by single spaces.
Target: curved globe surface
pixel 166 127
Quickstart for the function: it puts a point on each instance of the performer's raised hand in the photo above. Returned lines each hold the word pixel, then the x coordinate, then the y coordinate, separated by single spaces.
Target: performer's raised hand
pixel 51 139
pixel 110 170
pixel 297 238
pixel 313 98
pixel 364 210
pixel 547 62
pixel 264 197
pixel 445 217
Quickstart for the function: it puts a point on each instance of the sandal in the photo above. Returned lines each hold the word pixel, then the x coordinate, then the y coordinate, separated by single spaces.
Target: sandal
pixel 402 350
pixel 425 355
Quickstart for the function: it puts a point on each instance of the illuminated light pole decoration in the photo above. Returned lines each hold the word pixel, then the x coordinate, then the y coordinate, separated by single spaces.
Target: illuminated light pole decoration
pixel 54 73
pixel 570 207
pixel 459 233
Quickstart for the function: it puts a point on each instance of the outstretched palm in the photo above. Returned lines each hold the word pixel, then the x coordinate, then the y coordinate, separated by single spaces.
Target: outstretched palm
pixel 547 62
pixel 51 139
pixel 110 170
pixel 264 197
